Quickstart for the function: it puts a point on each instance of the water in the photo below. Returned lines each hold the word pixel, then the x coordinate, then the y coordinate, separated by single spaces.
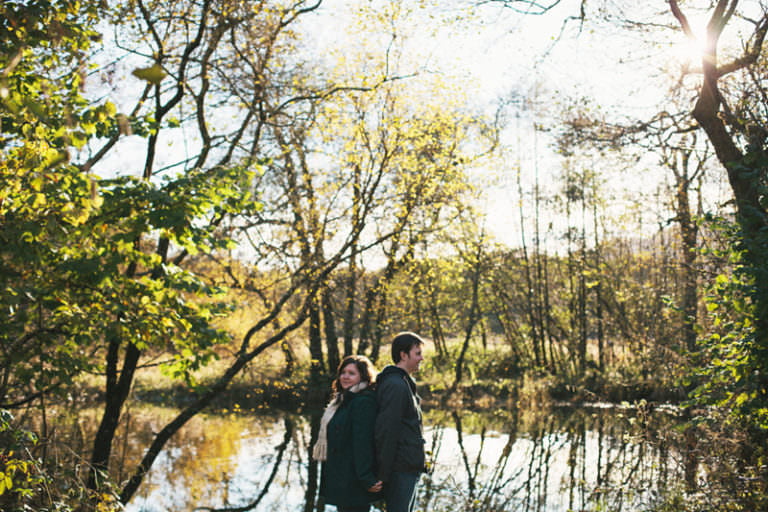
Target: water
pixel 551 460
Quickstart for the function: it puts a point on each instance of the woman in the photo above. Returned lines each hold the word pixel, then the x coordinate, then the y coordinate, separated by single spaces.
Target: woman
pixel 345 440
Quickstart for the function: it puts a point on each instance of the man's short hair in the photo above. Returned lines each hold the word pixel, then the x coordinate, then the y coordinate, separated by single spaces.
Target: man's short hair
pixel 404 342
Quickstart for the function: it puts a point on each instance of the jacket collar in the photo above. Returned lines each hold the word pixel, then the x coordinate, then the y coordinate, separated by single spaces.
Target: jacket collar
pixel 397 371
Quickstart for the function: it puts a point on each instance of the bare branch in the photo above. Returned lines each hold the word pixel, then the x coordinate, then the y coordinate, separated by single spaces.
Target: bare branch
pixel 525 6
pixel 682 18
pixel 295 13
pixel 752 53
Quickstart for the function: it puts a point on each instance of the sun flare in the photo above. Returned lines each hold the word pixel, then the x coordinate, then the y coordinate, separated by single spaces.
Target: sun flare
pixel 690 51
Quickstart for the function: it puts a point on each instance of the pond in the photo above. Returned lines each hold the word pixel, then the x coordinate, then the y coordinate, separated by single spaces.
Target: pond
pixel 555 459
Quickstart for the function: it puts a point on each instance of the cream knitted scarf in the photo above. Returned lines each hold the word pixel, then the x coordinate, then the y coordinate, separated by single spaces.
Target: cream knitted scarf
pixel 320 451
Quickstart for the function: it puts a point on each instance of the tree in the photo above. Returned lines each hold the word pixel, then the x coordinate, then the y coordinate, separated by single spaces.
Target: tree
pixel 475 262
pixel 212 53
pixel 729 107
pixel 104 255
pixel 48 222
pixel 735 126
pixel 94 267
pixel 45 201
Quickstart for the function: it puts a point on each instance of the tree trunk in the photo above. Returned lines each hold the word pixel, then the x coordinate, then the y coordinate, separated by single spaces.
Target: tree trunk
pixel 378 328
pixel 331 340
pixel 689 237
pixel 598 294
pixel 438 335
pixel 474 310
pixel 316 368
pixel 375 303
pixel 528 304
pixel 117 388
pixel 349 305
pixel 745 169
pixel 290 359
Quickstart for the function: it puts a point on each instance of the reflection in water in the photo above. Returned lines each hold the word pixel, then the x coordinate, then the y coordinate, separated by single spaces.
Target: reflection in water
pixel 280 450
pixel 233 463
pixel 567 459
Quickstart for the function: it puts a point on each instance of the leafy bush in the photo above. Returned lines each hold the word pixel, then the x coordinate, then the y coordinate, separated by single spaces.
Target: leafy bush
pixel 27 483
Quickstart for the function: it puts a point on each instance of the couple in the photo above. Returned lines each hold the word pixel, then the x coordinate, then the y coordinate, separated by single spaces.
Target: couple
pixel 371 442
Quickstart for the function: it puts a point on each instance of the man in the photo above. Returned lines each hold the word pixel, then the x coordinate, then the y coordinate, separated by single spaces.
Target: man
pixel 398 433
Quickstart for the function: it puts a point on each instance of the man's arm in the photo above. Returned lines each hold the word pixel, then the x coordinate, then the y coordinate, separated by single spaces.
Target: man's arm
pixel 363 411
pixel 392 396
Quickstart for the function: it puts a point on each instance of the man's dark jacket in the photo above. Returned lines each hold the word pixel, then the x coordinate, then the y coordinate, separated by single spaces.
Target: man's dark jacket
pixel 348 470
pixel 398 434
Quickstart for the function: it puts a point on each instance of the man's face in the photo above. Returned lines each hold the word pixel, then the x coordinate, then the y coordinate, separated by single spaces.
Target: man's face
pixel 412 359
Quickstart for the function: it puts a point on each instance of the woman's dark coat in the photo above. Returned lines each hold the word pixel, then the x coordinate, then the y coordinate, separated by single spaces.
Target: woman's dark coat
pixel 349 468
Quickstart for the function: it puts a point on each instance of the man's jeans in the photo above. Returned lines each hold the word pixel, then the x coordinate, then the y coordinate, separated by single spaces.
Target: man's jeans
pixel 399 491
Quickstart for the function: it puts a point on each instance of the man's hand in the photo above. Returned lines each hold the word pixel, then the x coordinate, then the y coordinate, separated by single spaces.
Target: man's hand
pixel 376 487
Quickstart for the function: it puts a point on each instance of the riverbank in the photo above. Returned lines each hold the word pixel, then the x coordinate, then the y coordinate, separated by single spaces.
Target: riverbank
pixel 524 391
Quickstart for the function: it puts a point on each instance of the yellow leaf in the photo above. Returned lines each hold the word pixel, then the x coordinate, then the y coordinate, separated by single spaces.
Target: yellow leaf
pixel 153 74
pixel 39 200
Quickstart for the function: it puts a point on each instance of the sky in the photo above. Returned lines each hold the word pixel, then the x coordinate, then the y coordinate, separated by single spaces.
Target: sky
pixel 530 66
pixel 526 66
pixel 489 53
pixel 536 65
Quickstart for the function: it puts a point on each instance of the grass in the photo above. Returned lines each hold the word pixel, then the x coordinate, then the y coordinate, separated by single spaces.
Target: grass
pixel 492 378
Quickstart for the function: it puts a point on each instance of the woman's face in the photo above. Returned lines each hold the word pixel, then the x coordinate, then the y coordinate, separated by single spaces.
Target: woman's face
pixel 349 376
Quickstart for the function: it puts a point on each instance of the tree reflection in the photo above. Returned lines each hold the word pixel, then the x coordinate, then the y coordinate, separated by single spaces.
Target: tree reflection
pixel 548 460
pixel 280 449
pixel 312 467
pixel 567 460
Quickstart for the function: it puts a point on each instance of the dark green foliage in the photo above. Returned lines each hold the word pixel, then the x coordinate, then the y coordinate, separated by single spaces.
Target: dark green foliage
pixel 27 482
pixel 735 353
